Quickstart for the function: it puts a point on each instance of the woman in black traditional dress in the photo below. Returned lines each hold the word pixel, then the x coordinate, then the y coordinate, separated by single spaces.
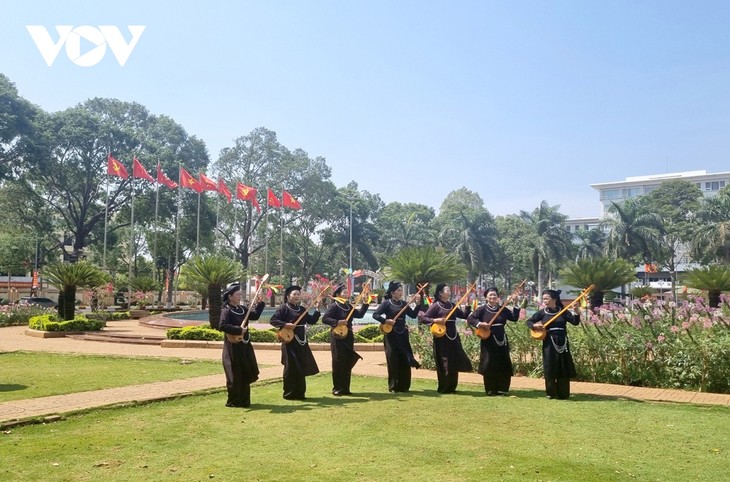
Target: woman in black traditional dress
pixel 296 356
pixel 495 365
pixel 239 359
pixel 557 362
pixel 344 356
pixel 398 351
pixel 448 352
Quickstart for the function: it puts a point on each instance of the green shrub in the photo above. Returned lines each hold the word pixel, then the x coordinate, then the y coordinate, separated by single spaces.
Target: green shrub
pixel 50 322
pixel 263 336
pixel 15 315
pixel 204 333
pixel 370 331
pixel 109 315
pixel 378 339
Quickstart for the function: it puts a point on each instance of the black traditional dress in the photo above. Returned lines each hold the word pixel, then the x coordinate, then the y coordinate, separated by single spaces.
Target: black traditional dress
pixel 495 364
pixel 448 353
pixel 557 362
pixel 398 351
pixel 344 356
pixel 296 356
pixel 239 359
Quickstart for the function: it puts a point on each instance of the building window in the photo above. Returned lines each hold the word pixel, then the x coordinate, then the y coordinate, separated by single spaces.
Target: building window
pixel 611 194
pixel 631 192
pixel 714 185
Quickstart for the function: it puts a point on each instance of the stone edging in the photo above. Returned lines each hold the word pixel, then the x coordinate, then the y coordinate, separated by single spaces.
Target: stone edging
pixel 51 334
pixel 261 346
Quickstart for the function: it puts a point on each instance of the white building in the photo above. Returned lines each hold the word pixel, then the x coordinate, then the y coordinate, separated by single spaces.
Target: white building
pixel 619 191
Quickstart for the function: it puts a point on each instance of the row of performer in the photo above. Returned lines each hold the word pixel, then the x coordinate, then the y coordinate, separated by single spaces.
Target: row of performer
pixel 495 365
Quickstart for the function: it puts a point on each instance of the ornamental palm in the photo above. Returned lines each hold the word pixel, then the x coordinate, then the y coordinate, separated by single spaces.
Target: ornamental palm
pixel 426 265
pixel 67 278
pixel 604 273
pixel 712 235
pixel 552 241
pixel 714 279
pixel 215 272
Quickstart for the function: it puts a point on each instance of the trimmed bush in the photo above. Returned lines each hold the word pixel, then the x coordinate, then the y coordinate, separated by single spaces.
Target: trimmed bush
pixel 263 336
pixel 109 315
pixel 50 322
pixel 370 331
pixel 204 333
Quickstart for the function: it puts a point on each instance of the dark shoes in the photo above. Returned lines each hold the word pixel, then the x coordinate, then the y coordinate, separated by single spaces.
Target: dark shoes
pixel 238 405
pixel 339 393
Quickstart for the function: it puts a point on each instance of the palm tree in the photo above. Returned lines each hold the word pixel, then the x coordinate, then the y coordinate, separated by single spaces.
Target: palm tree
pixel 473 239
pixel 552 241
pixel 714 279
pixel 215 272
pixel 711 238
pixel 67 277
pixel 631 231
pixel 591 243
pixel 606 274
pixel 426 265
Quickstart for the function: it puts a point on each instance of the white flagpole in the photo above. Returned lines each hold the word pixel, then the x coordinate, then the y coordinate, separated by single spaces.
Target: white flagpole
pixel 154 242
pixel 106 217
pixel 131 247
pixel 281 237
pixel 197 235
pixel 177 237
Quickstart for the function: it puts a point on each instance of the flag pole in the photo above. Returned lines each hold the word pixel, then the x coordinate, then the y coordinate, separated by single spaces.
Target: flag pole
pixel 106 217
pixel 281 240
pixel 177 236
pixel 266 241
pixel 197 235
pixel 131 247
pixel 154 239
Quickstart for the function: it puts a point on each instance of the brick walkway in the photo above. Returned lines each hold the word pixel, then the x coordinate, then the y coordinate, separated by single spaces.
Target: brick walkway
pixel 373 364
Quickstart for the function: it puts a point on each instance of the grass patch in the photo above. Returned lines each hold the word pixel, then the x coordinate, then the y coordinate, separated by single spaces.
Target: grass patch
pixel 35 374
pixel 375 435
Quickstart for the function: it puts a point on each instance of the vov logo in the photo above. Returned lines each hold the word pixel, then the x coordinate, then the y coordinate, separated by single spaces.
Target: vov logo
pixel 99 37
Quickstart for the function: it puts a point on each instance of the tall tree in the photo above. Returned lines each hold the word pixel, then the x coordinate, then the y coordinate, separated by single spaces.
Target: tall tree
pixel 676 202
pixel 467 228
pixel 631 231
pixel 711 234
pixel 515 239
pixel 553 242
pixel 404 225
pixel 18 134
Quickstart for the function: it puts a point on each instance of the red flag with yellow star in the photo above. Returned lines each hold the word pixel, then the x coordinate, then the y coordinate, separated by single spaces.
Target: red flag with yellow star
pixel 139 171
pixel 272 200
pixel 188 181
pixel 290 202
pixel 247 193
pixel 207 184
pixel 115 168
pixel 223 189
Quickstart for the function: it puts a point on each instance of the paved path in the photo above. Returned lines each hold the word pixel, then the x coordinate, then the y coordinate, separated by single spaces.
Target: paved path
pixel 373 364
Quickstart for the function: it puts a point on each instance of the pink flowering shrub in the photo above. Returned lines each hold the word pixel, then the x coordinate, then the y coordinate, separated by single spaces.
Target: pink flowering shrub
pixel 650 344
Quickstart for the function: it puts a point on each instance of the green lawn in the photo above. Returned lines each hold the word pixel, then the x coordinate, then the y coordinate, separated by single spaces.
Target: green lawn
pixel 31 375
pixel 375 435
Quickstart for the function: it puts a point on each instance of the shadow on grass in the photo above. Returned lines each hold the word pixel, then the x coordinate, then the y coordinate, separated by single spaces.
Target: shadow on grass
pixel 12 387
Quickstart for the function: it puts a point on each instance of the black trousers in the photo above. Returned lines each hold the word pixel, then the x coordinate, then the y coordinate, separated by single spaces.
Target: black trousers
pixel 558 387
pixel 341 376
pixel 497 382
pixel 295 383
pixel 447 383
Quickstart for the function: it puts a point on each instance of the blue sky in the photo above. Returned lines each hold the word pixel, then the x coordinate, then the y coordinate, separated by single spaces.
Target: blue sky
pixel 519 101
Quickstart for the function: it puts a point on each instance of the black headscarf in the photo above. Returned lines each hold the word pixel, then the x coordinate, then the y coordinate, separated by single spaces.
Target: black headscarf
pixel 227 294
pixel 337 290
pixel 439 288
pixel 288 291
pixel 393 286
pixel 491 288
pixel 554 294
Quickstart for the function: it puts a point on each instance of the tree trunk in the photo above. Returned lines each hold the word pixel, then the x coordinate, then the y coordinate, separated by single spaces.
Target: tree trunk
pixel 714 298
pixel 214 309
pixel 69 302
pixel 596 299
pixel 61 304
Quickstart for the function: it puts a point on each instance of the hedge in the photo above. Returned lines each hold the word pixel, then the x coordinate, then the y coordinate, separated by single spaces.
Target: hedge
pixel 50 322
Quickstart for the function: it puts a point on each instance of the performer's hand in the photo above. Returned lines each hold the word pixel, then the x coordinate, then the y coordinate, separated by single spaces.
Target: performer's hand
pixel 537 326
pixel 390 322
pixel 244 329
pixel 291 326
pixel 439 321
pixel 342 322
